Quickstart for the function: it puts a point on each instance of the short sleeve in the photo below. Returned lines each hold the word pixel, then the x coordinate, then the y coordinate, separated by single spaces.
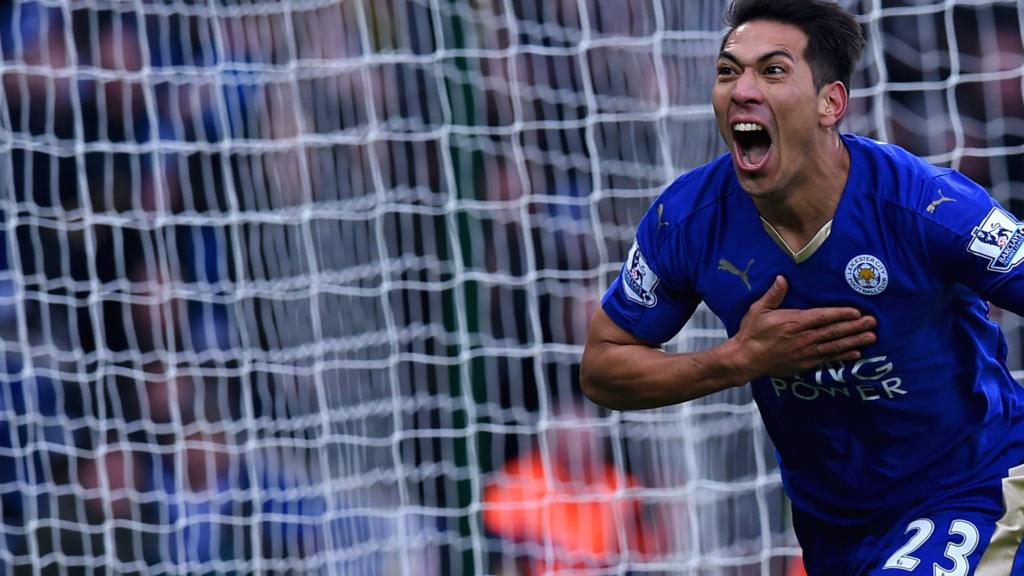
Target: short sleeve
pixel 650 298
pixel 976 242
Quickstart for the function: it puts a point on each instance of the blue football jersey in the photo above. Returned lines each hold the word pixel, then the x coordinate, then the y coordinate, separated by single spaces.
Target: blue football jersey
pixel 927 408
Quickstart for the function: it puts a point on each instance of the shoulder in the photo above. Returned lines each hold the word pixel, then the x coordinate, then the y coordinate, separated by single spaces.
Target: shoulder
pixel 952 216
pixel 891 172
pixel 904 180
pixel 686 210
pixel 696 193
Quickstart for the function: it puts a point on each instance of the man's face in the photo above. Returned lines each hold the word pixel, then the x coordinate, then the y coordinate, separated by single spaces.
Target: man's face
pixel 766 104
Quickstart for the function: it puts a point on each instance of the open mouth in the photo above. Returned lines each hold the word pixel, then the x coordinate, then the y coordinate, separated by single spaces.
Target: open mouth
pixel 751 145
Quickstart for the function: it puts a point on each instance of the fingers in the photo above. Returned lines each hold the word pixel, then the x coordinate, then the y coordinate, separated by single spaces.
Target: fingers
pixel 843 341
pixel 843 345
pixel 860 328
pixel 774 296
pixel 836 342
pixel 825 317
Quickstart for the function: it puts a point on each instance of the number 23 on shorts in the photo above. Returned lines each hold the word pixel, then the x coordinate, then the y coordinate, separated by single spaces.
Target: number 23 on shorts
pixel 928 553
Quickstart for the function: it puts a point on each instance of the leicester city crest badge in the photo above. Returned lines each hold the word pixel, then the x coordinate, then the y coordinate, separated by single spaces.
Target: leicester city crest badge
pixel 867 275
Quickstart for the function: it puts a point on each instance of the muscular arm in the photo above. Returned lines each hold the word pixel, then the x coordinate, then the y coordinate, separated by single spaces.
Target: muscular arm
pixel 621 372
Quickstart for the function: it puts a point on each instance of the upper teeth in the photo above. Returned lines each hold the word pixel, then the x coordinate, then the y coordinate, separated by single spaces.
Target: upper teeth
pixel 746 127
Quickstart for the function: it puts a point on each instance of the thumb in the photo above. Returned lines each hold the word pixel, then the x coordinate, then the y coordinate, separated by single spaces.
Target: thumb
pixel 775 294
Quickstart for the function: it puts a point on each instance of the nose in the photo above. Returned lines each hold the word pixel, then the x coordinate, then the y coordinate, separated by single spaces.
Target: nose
pixel 746 89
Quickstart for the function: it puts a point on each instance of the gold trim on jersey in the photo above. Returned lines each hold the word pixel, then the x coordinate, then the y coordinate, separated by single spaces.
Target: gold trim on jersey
pixel 998 557
pixel 805 252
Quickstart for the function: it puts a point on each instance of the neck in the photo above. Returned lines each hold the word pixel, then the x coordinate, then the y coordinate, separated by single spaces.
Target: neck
pixel 811 202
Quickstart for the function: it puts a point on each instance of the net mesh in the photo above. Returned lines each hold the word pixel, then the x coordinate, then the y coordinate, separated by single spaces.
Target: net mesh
pixel 302 287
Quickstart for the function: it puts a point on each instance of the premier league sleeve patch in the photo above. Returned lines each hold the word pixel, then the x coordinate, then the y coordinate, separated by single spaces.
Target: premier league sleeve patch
pixel 638 281
pixel 998 239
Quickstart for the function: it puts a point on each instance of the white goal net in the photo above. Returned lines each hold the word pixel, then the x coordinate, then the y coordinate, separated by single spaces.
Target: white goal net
pixel 302 286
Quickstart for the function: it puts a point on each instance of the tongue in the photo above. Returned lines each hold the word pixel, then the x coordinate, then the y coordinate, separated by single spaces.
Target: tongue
pixel 754 154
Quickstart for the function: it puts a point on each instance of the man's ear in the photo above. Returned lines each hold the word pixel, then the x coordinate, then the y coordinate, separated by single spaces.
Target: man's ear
pixel 832 103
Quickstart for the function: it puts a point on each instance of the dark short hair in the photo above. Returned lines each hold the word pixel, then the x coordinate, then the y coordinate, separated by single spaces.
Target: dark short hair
pixel 834 37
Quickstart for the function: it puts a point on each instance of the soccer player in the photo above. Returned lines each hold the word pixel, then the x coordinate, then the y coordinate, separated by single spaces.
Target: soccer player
pixel 852 278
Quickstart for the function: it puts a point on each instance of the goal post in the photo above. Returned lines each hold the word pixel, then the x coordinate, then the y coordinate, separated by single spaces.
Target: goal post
pixel 302 286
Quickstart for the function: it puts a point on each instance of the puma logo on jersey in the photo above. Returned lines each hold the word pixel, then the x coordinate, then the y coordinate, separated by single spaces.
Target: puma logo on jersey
pixel 935 203
pixel 661 214
pixel 731 268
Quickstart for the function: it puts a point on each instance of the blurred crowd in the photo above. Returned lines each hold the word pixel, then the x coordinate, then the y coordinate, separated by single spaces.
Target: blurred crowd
pixel 301 288
pixel 149 425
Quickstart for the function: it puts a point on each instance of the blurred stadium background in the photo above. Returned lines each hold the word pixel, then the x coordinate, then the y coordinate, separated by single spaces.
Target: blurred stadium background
pixel 301 287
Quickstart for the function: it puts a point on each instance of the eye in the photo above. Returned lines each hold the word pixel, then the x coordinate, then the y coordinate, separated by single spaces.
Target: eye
pixel 725 70
pixel 774 70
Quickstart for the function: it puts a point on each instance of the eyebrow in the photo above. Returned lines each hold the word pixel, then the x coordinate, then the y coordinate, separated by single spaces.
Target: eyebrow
pixel 766 56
